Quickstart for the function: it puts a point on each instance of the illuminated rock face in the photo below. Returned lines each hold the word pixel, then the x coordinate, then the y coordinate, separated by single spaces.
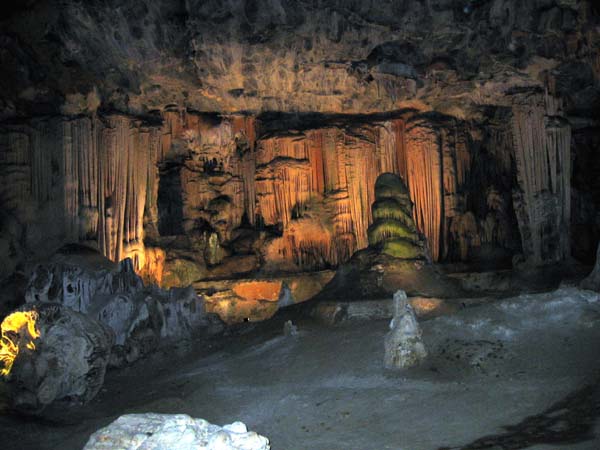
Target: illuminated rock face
pixel 201 197
pixel 416 92
pixel 18 330
pixel 241 300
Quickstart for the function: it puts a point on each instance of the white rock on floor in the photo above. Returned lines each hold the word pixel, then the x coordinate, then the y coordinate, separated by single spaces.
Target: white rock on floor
pixel 174 432
pixel 403 344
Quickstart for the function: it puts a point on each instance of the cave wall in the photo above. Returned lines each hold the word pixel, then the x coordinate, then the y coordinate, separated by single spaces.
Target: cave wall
pixel 542 143
pixel 77 180
pixel 199 196
pixel 487 109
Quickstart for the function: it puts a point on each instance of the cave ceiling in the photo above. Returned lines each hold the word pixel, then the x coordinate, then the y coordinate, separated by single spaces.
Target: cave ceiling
pixel 330 57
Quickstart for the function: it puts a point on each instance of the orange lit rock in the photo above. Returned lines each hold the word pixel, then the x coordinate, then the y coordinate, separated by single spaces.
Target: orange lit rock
pixel 232 309
pixel 154 265
pixel 236 301
pixel 258 290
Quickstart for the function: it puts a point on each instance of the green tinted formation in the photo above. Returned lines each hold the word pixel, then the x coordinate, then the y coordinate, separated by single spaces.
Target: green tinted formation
pixel 393 230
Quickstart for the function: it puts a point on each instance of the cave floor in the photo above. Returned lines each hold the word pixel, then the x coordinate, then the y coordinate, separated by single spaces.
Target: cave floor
pixel 521 372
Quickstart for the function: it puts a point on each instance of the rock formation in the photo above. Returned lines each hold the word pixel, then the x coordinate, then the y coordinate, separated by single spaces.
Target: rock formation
pixel 211 141
pixel 84 312
pixel 393 229
pixel 270 55
pixel 403 344
pixel 140 318
pixel 211 198
pixel 56 355
pixel 174 432
pixel 542 139
pixel 397 256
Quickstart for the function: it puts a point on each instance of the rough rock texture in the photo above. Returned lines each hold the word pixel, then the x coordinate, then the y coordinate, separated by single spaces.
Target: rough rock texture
pixel 209 140
pixel 141 319
pixel 277 55
pixel 174 432
pixel 211 199
pixel 403 344
pixel 66 362
pixel 542 139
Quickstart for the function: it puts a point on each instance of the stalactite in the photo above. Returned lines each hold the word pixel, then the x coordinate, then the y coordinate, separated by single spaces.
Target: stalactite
pixel 316 186
pixel 387 148
pixel 362 169
pixel 331 161
pixel 283 179
pixel 398 127
pixel 542 142
pixel 70 175
pixel 315 156
pixel 15 169
pixel 46 148
pixel 244 131
pixel 456 161
pixel 424 168
pixel 151 139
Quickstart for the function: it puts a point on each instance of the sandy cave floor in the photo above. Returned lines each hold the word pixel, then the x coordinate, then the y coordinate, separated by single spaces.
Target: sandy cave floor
pixel 518 373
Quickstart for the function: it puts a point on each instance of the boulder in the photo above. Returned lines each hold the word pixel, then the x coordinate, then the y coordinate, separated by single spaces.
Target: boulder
pixel 403 344
pixel 74 279
pixel 174 432
pixel 51 353
pixel 141 318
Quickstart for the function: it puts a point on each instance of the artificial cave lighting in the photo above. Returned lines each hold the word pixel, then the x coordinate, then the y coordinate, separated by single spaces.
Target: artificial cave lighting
pixel 311 219
pixel 18 331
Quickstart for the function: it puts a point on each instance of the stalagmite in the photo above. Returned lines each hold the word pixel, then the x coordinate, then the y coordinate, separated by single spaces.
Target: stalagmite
pixel 404 343
pixel 393 231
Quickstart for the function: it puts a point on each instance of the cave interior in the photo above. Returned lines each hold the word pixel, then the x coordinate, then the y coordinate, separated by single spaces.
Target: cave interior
pixel 212 209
